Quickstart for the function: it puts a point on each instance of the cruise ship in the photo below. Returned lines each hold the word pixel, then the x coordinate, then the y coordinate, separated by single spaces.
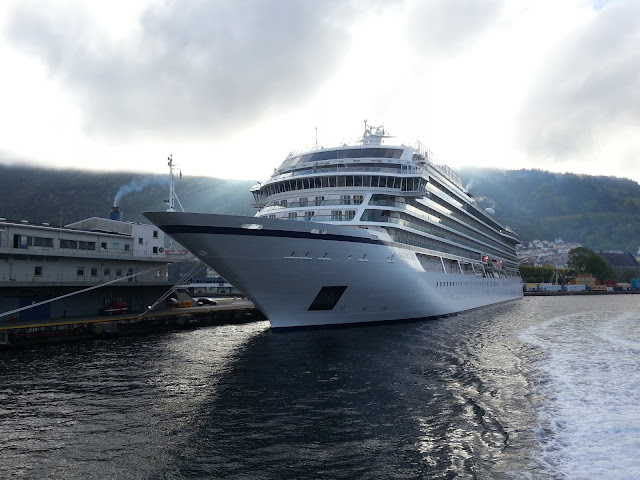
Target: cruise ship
pixel 373 230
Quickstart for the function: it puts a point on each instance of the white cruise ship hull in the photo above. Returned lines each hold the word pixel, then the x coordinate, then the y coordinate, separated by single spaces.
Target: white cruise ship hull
pixel 302 274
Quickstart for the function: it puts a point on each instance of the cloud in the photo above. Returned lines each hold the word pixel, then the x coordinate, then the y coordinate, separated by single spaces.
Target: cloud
pixel 199 66
pixel 590 94
pixel 445 28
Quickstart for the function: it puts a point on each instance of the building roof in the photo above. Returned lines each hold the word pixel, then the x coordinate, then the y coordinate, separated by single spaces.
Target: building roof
pixel 66 228
pixel 620 260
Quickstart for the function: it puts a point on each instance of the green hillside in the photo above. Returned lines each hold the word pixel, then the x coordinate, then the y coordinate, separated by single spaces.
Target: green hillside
pixel 65 196
pixel 602 213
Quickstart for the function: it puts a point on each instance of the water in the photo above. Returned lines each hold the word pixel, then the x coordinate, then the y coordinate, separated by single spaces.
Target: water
pixel 538 388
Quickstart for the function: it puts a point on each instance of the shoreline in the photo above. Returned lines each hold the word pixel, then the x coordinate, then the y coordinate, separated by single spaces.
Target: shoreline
pixel 583 292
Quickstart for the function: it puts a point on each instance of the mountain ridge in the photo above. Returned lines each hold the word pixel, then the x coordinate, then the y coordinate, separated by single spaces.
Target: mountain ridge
pixel 601 213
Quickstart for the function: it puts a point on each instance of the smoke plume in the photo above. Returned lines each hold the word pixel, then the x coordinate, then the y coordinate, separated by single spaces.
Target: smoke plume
pixel 137 185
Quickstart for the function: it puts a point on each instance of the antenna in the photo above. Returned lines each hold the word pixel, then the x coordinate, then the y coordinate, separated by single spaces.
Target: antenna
pixel 316 137
pixel 172 190
pixel 172 182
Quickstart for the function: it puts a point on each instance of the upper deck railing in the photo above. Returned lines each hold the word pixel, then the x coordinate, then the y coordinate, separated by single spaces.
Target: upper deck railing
pixel 422 154
pixel 345 168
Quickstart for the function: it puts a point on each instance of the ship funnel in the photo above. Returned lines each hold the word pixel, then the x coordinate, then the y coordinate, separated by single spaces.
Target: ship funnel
pixel 115 214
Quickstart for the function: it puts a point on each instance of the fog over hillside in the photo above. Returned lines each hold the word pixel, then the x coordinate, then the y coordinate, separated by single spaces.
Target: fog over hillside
pixel 598 212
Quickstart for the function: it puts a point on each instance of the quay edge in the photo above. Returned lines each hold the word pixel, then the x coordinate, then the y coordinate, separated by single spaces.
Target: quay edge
pixel 14 335
pixel 581 292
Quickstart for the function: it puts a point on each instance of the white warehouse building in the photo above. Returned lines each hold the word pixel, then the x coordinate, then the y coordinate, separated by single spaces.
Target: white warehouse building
pixel 39 262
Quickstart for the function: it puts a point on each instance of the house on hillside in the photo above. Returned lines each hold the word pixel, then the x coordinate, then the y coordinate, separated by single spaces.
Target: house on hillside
pixel 621 262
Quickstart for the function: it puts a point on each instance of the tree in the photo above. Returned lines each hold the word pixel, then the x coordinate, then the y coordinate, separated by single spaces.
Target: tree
pixel 627 275
pixel 597 267
pixel 585 260
pixel 579 257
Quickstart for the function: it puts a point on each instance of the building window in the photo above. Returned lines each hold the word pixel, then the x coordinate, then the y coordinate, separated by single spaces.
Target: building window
pixel 155 249
pixel 37 271
pixel 70 244
pixel 349 214
pixel 293 215
pixel 126 247
pixel 155 234
pixel 345 199
pixel 140 241
pixel 42 242
pixel 308 216
pixel 118 272
pixel 336 215
pixel 319 201
pixel 103 245
pixel 94 271
pixel 304 201
pixel 107 271
pixel 81 271
pixel 358 199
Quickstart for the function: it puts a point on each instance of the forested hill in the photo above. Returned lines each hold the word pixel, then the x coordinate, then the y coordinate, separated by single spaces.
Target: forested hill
pixel 65 196
pixel 602 213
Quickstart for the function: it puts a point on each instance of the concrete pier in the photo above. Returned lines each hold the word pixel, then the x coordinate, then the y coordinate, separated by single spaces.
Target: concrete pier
pixel 20 334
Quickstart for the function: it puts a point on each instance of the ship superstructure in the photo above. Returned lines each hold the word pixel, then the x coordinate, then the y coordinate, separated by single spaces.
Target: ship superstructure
pixel 371 230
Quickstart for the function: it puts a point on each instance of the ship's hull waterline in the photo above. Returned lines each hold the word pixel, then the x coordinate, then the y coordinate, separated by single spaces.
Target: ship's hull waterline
pixel 310 274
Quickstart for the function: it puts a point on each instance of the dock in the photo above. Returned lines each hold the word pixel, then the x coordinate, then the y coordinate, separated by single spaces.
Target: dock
pixel 21 334
pixel 563 293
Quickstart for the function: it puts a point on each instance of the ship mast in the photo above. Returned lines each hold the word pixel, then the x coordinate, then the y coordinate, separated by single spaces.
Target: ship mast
pixel 172 187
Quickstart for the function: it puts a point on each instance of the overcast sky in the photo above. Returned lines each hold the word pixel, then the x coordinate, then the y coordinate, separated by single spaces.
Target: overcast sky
pixel 230 87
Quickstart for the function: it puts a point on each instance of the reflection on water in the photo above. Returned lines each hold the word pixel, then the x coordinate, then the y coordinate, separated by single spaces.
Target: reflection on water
pixel 501 392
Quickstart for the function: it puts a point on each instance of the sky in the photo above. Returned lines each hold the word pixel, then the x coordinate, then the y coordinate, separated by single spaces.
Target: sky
pixel 230 87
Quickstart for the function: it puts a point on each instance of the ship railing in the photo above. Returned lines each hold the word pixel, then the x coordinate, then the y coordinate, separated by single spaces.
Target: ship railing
pixel 312 204
pixel 321 218
pixel 345 142
pixel 509 233
pixel 418 146
pixel 404 223
pixel 388 140
pixel 443 221
pixel 351 168
pixel 387 203
pixel 340 202
pixel 438 164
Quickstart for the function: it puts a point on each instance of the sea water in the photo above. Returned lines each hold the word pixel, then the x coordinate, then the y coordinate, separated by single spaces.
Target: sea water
pixel 589 374
pixel 542 387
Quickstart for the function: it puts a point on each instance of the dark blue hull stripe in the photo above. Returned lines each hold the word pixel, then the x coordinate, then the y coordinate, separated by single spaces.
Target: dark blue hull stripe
pixel 211 230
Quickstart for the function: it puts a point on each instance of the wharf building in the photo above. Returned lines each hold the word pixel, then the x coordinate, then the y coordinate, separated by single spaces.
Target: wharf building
pixel 41 262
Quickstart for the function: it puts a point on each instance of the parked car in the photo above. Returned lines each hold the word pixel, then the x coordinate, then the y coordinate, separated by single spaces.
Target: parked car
pixel 173 303
pixel 206 301
pixel 115 308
